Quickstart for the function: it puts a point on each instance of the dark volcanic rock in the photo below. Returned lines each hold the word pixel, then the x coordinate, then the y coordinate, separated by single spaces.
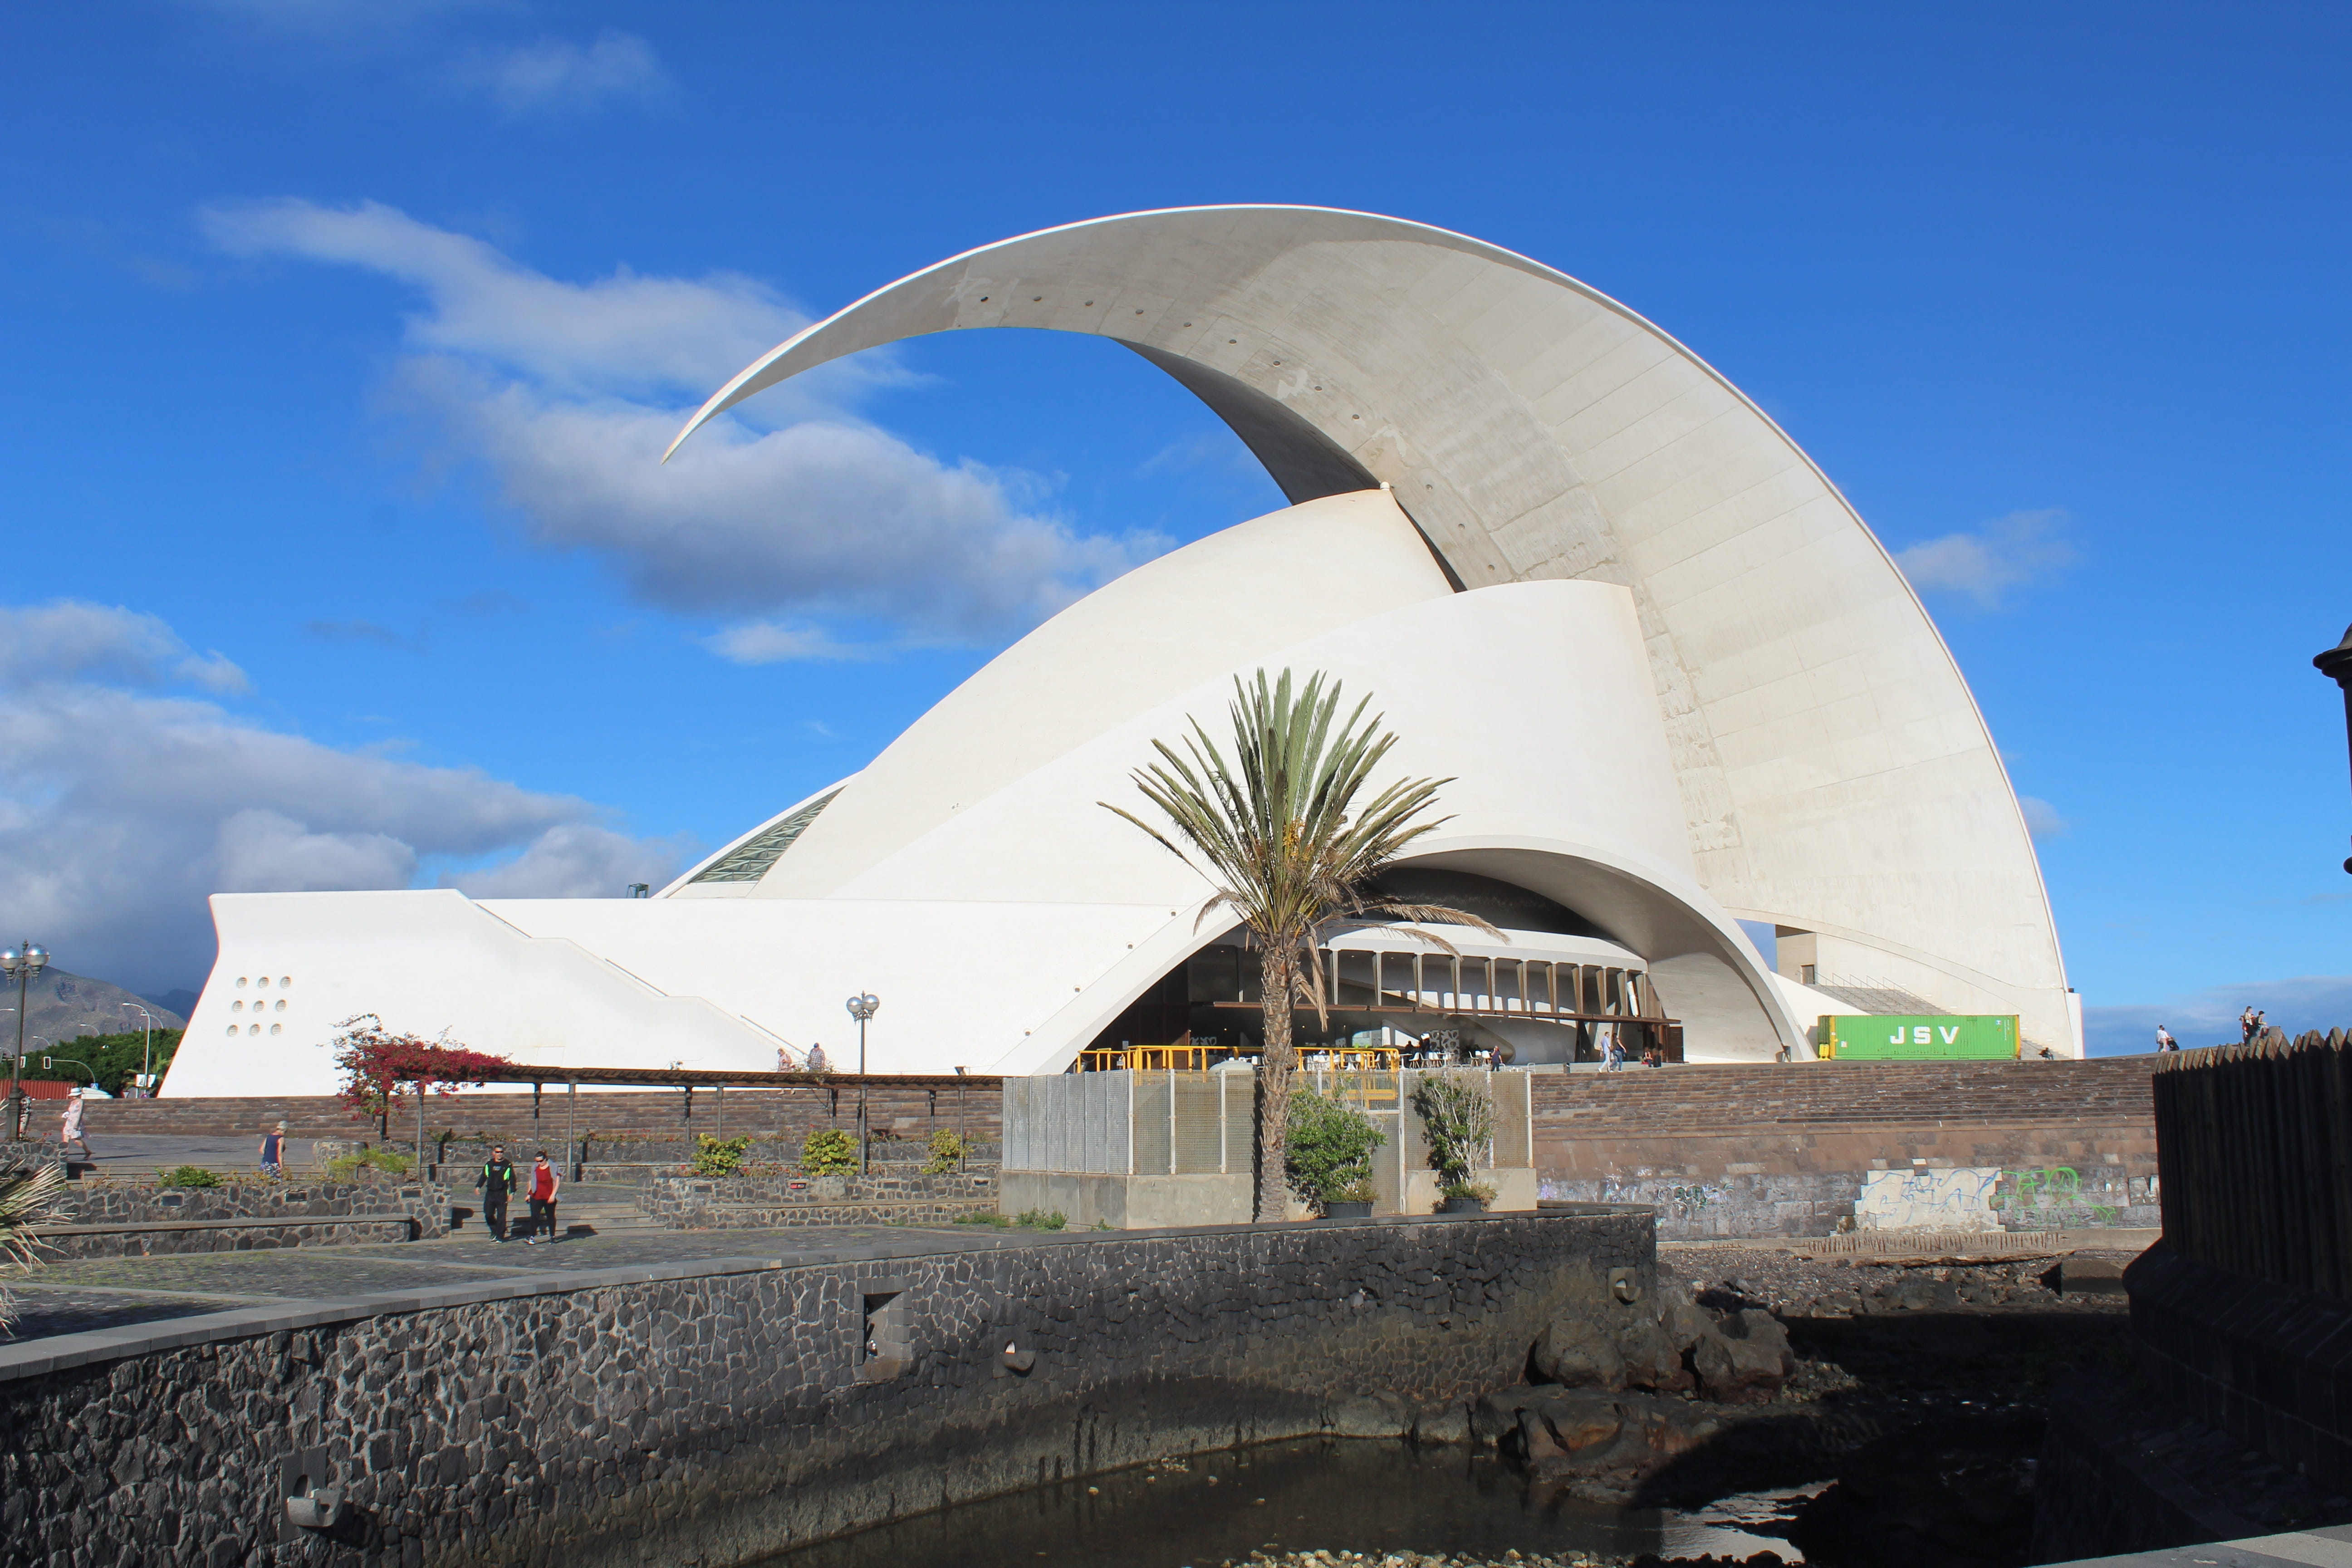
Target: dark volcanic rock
pixel 1956 1493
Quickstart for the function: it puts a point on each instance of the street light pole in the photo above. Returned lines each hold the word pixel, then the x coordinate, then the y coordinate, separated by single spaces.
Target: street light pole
pixel 2336 665
pixel 20 964
pixel 862 1007
pixel 147 1077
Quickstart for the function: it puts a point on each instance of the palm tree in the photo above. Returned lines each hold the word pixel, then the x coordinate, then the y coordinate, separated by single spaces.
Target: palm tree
pixel 27 1206
pixel 1276 833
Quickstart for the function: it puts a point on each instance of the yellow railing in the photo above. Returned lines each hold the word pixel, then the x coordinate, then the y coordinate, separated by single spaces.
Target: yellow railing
pixel 1198 1058
pixel 1158 1059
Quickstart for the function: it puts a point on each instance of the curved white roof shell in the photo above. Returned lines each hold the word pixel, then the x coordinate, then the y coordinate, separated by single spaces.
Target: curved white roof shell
pixel 1834 775
pixel 1673 680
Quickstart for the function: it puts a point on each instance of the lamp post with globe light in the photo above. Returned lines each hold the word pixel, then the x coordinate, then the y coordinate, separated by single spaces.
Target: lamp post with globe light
pixel 2336 665
pixel 862 1007
pixel 20 964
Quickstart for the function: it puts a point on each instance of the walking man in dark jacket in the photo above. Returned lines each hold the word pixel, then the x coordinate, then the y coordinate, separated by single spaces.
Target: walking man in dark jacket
pixel 496 1184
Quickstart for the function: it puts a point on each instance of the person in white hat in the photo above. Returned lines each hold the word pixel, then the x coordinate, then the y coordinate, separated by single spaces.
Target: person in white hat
pixel 69 1128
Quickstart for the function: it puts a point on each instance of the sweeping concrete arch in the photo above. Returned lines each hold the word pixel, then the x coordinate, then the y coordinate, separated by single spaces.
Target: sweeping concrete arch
pixel 1834 774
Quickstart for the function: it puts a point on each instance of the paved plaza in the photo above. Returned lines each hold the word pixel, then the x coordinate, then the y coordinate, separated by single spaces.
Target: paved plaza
pixel 77 1295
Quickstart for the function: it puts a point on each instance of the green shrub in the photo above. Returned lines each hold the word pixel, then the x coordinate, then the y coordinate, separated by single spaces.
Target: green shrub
pixel 1479 1190
pixel 1457 1119
pixel 719 1157
pixel 188 1176
pixel 994 1219
pixel 359 1166
pixel 831 1152
pixel 1039 1219
pixel 947 1152
pixel 1330 1147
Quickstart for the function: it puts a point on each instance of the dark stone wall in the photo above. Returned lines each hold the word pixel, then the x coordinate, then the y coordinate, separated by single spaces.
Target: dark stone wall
pixel 423 1209
pixel 709 1419
pixel 912 1196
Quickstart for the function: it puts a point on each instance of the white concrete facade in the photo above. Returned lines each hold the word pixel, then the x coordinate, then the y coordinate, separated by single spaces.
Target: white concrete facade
pixel 1677 680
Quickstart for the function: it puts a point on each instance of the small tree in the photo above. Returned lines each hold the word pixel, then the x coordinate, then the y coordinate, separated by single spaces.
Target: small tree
pixel 1458 1118
pixel 1329 1148
pixel 378 1066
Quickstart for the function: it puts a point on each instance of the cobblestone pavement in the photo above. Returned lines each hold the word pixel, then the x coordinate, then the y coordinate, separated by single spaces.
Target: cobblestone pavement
pixel 306 1273
pixel 45 1312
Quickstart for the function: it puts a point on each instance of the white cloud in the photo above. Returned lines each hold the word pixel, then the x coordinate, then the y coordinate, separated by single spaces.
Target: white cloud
pixel 773 642
pixel 72 639
pixel 568 393
pixel 2209 1018
pixel 2042 818
pixel 578 860
pixel 2007 552
pixel 558 77
pixel 122 807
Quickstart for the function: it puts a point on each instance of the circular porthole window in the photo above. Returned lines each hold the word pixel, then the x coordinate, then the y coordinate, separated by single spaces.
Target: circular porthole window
pixel 262 984
pixel 237 1007
pixel 284 981
pixel 240 983
pixel 281 1004
pixel 274 1028
pixel 232 1028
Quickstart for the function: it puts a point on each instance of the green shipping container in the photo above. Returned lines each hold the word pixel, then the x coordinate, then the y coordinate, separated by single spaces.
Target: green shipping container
pixel 1899 1038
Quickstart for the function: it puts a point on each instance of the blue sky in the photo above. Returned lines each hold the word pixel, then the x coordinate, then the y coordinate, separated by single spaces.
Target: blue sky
pixel 337 334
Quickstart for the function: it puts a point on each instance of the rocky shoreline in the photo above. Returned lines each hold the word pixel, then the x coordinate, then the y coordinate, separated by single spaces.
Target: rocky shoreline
pixel 1916 1390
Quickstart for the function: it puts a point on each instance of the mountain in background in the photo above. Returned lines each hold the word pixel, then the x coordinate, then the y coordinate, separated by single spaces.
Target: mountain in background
pixel 60 1007
pixel 182 1002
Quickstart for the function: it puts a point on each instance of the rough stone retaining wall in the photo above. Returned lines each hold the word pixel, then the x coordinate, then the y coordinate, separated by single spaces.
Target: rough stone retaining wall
pixel 162 1216
pixel 744 1200
pixel 708 1414
pixel 1786 1150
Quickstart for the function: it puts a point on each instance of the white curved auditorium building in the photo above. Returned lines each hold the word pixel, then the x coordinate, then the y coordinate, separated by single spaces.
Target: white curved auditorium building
pixel 1677 680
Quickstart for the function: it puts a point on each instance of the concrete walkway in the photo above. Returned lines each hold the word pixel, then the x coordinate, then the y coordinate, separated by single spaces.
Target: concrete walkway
pixel 77 1295
pixel 2328 1548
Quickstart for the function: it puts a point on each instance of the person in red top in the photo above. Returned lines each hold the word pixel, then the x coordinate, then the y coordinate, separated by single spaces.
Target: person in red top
pixel 544 1184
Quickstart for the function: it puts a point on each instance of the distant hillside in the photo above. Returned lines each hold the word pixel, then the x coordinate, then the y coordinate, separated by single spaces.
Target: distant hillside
pixel 63 1006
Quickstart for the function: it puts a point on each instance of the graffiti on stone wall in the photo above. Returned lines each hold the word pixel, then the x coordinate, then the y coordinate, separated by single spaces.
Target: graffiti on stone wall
pixel 1953 1198
pixel 2061 1197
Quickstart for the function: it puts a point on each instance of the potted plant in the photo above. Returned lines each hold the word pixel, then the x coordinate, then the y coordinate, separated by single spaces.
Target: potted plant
pixel 1458 1120
pixel 1353 1201
pixel 1328 1147
pixel 1465 1197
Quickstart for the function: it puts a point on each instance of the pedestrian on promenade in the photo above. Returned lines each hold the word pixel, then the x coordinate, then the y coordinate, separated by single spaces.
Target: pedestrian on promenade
pixel 544 1184
pixel 2250 1024
pixel 1616 1054
pixel 496 1184
pixel 69 1128
pixel 816 1059
pixel 273 1150
pixel 2164 1040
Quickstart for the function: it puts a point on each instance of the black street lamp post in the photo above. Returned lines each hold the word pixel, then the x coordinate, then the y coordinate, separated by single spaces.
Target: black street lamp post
pixel 862 1007
pixel 20 964
pixel 2336 665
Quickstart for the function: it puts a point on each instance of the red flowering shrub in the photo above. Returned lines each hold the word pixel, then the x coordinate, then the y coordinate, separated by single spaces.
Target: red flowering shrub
pixel 378 1066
